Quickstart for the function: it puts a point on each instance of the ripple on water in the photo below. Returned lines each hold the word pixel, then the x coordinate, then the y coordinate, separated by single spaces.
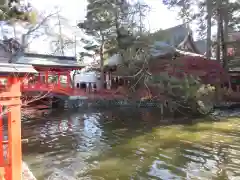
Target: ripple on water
pixel 123 144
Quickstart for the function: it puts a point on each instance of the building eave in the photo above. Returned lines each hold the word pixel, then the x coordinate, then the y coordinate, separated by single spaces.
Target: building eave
pixel 48 61
pixel 16 68
pixel 188 44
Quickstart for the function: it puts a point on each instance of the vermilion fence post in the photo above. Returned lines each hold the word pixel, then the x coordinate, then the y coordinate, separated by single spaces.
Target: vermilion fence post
pixel 1 143
pixel 14 130
pixel 10 99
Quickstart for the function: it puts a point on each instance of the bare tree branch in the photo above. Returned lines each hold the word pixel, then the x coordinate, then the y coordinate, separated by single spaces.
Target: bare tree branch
pixel 34 28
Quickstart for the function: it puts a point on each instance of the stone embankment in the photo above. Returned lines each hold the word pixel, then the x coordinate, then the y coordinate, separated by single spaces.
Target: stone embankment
pixel 27 173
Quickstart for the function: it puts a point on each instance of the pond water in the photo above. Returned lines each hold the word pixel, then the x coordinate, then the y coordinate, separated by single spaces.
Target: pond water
pixel 129 144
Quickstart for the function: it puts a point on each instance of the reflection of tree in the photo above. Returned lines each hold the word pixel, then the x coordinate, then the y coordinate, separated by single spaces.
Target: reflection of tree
pixel 222 162
pixel 227 160
pixel 118 124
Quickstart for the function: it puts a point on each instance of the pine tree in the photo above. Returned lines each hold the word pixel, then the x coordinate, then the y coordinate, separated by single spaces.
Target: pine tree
pixel 207 13
pixel 15 9
pixel 191 10
pixel 109 23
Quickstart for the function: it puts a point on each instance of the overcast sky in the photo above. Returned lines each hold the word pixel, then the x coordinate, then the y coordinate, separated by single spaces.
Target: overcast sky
pixel 74 11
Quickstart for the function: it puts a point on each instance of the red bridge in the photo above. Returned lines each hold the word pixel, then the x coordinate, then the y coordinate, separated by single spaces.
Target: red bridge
pixel 54 76
pixel 46 89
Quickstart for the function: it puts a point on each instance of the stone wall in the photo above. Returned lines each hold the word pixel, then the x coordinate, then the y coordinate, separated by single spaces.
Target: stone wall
pixel 77 103
pixel 70 104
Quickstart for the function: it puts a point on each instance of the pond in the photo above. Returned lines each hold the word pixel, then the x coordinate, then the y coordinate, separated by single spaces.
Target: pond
pixel 129 144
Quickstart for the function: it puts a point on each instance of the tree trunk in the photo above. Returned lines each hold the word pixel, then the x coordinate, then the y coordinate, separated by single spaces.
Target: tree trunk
pixel 23 42
pixel 60 35
pixel 102 65
pixel 14 30
pixel 225 34
pixel 209 30
pixel 218 47
pixel 223 48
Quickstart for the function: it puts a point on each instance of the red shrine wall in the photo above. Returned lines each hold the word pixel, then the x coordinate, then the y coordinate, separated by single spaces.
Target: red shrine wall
pixel 209 71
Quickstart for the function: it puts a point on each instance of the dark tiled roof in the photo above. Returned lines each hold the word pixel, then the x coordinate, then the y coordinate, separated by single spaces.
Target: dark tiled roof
pixel 188 44
pixel 68 58
pixel 201 45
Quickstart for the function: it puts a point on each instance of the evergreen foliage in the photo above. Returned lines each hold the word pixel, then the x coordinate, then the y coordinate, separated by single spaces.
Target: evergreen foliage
pixel 192 10
pixel 16 10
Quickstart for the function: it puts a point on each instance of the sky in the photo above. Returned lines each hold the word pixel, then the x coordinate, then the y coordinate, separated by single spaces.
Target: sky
pixel 74 11
pixel 160 16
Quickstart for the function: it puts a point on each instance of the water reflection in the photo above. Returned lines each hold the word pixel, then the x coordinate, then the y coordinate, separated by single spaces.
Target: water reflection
pixel 131 144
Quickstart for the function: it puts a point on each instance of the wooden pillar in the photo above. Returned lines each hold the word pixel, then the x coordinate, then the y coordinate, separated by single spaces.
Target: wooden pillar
pixel 69 80
pixel 110 80
pixel 105 75
pixel 21 82
pixel 59 79
pixel 39 78
pixel 14 130
pixel 46 77
pixel 28 80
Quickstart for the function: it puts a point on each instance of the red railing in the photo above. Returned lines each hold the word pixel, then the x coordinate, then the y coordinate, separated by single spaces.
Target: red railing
pixel 48 88
pixel 66 89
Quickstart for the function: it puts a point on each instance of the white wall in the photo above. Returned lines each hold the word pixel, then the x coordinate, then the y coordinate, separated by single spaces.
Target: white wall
pixel 116 59
pixel 87 77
